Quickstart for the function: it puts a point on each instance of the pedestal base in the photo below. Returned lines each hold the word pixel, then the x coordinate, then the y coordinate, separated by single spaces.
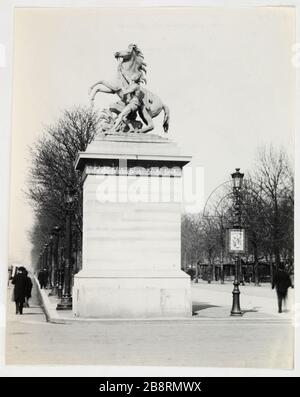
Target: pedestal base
pixel 131 295
pixel 131 233
pixel 236 310
pixel 65 303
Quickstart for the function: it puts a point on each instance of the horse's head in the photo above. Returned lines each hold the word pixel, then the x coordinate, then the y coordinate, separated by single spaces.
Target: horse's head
pixel 128 54
pixel 131 63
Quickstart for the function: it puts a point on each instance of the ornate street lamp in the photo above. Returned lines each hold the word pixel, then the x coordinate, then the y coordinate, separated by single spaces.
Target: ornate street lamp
pixel 237 179
pixel 213 209
pixel 236 240
pixel 66 300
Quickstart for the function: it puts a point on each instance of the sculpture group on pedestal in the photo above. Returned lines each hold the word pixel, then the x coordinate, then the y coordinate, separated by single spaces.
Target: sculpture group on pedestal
pixel 135 99
pixel 131 209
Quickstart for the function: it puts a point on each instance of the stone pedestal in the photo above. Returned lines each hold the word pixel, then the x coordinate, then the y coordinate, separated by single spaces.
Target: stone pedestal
pixel 132 198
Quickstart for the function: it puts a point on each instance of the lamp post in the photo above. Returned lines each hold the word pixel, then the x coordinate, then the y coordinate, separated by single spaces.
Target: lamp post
pixel 196 268
pixel 221 251
pixel 39 262
pixel 44 257
pixel 54 275
pixel 66 300
pixel 46 265
pixel 50 263
pixel 196 273
pixel 237 239
pixel 209 272
pixel 60 273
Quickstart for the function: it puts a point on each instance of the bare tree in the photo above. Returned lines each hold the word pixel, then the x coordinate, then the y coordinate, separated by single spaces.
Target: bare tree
pixel 191 240
pixel 52 171
pixel 274 177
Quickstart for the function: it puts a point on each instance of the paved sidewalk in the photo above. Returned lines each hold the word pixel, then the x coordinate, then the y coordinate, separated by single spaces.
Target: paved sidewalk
pixel 215 301
pixel 210 301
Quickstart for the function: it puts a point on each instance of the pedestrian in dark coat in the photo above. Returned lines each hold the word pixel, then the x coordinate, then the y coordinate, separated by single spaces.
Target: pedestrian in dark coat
pixel 46 277
pixel 43 278
pixel 20 284
pixel 282 282
pixel 28 289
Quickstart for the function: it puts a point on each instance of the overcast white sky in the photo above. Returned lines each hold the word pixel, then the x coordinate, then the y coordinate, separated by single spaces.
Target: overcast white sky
pixel 226 75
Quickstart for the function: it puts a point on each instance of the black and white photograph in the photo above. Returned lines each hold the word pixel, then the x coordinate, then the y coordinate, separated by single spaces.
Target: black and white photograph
pixel 149 215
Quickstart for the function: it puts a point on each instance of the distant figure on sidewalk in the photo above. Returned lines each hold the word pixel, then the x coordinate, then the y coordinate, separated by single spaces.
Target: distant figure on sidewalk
pixel 43 278
pixel 20 283
pixel 282 282
pixel 28 289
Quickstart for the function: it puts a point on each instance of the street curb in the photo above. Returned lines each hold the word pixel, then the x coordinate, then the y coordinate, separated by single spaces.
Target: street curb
pixel 171 319
pixel 51 315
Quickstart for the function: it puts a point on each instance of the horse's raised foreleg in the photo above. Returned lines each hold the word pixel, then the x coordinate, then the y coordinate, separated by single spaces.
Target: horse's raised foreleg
pixel 105 87
pixel 93 86
pixel 100 82
pixel 102 89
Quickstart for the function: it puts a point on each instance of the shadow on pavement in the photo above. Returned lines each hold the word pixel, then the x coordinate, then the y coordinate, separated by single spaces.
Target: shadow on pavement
pixel 250 311
pixel 201 306
pixel 31 313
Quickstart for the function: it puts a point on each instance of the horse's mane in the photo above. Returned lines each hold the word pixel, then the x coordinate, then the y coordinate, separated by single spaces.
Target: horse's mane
pixel 140 64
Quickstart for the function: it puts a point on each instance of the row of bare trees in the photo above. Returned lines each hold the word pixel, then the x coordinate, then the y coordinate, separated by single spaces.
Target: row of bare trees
pixel 52 174
pixel 267 215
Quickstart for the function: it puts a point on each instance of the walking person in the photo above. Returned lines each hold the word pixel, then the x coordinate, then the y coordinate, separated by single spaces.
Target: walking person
pixel 20 282
pixel 43 278
pixel 46 278
pixel 28 289
pixel 281 282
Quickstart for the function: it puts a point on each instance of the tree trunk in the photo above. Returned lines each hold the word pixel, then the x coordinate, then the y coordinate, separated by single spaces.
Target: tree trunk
pixel 271 270
pixel 222 273
pixel 222 268
pixel 256 266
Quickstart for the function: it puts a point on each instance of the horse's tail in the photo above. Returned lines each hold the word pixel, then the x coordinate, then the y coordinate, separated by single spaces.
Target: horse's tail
pixel 166 118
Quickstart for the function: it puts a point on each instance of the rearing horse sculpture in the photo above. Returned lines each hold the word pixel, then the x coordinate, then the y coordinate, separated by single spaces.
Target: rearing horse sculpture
pixel 132 70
